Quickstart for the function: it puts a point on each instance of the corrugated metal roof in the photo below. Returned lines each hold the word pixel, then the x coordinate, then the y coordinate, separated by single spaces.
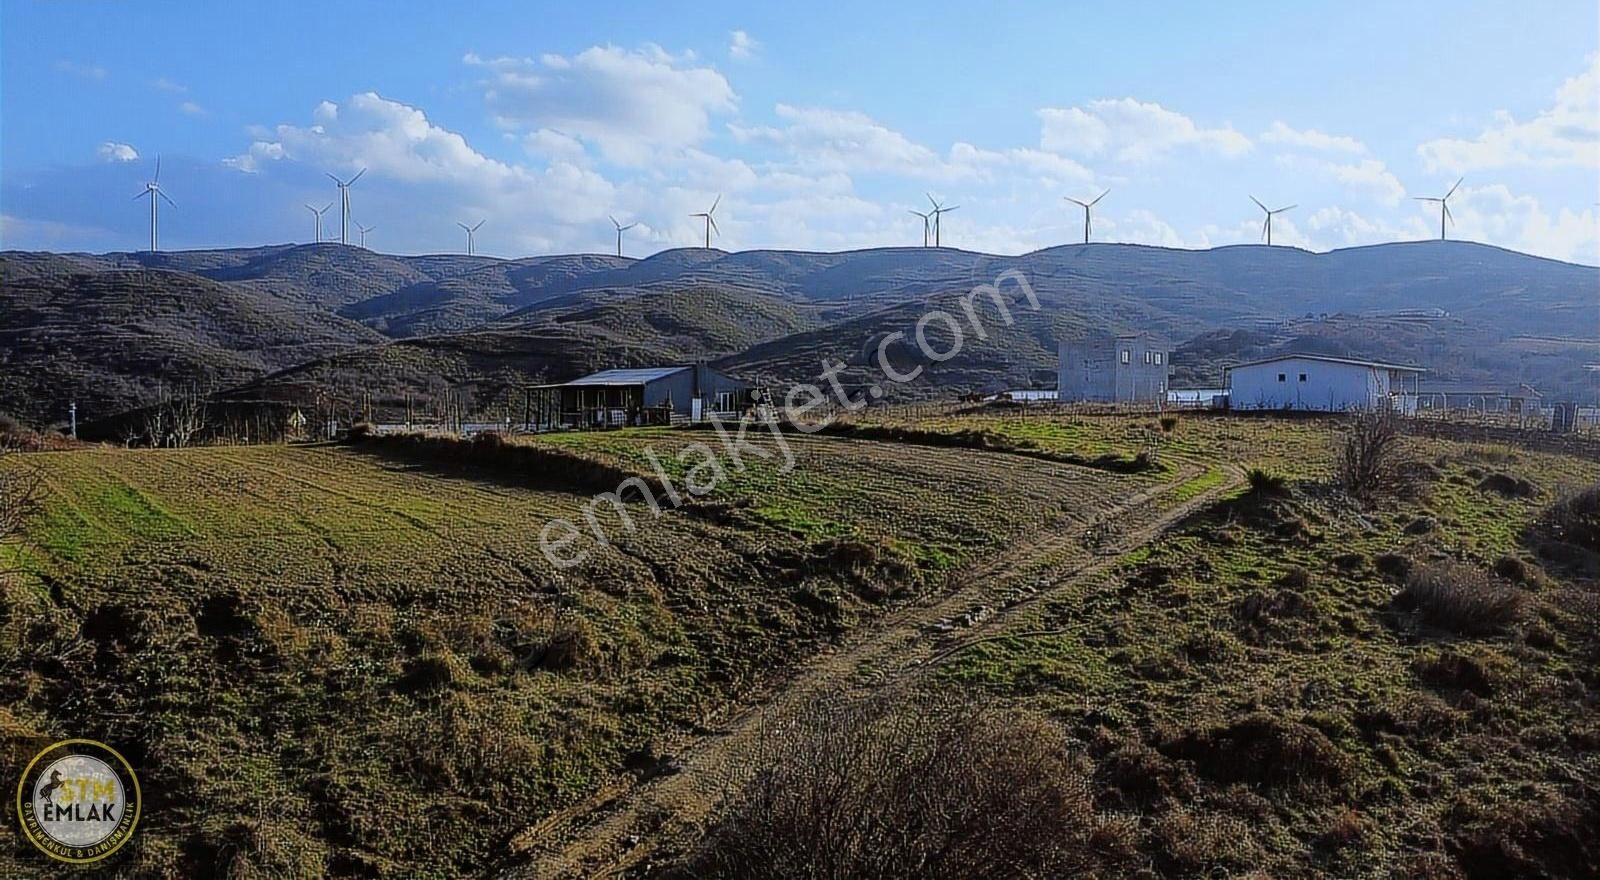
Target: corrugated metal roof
pixel 627 377
pixel 1330 359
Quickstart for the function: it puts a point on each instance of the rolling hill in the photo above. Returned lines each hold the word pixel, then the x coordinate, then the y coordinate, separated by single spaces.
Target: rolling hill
pixel 285 319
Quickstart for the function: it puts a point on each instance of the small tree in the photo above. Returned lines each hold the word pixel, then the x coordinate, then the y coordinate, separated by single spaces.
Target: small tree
pixel 19 497
pixel 186 416
pixel 1369 455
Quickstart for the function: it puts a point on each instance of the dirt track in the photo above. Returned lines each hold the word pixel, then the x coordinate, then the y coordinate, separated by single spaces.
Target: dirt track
pixel 622 824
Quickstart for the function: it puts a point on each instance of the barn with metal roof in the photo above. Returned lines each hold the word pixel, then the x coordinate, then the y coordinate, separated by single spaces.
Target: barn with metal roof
pixel 638 396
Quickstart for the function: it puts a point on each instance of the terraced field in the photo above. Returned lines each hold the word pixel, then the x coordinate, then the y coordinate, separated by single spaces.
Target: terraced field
pixel 323 658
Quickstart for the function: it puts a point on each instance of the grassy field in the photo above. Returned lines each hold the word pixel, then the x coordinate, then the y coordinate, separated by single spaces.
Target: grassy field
pixel 325 658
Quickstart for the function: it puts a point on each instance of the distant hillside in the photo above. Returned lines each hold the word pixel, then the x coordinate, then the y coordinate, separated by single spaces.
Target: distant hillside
pixel 110 338
pixel 247 313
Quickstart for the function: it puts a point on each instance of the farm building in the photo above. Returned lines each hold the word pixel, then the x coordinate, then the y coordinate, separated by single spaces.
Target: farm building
pixel 1322 383
pixel 1482 397
pixel 1129 368
pixel 646 396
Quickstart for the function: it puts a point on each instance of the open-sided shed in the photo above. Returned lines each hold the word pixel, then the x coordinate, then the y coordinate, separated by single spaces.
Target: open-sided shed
pixel 637 396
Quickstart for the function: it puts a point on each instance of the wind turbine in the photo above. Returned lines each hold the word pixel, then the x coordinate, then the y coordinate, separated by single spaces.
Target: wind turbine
pixel 925 217
pixel 1086 206
pixel 470 230
pixel 316 224
pixel 364 230
pixel 152 190
pixel 711 222
pixel 938 211
pixel 621 229
pixel 1266 228
pixel 1444 206
pixel 344 204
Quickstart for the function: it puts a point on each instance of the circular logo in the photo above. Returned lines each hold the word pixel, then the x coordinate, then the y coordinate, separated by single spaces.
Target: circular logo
pixel 78 801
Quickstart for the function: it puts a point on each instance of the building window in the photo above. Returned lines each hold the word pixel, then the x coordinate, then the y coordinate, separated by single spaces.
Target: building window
pixel 1302 377
pixel 1127 356
pixel 1147 357
pixel 1158 358
pixel 724 401
pixel 1282 378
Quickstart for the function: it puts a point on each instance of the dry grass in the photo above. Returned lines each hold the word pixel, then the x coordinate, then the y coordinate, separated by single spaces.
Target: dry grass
pixel 1461 599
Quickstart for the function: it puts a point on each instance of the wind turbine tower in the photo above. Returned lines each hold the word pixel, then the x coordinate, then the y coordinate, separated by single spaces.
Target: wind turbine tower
pixel 364 230
pixel 152 191
pixel 316 223
pixel 1266 228
pixel 711 222
pixel 926 216
pixel 1086 206
pixel 621 229
pixel 1444 207
pixel 471 240
pixel 344 204
pixel 938 212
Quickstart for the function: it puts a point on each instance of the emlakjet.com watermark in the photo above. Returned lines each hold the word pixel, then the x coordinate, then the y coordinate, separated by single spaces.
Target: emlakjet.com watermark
pixel 705 466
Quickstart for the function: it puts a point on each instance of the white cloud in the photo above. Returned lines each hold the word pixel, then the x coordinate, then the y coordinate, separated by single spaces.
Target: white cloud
pixel 1567 134
pixel 192 108
pixel 635 105
pixel 742 46
pixel 86 71
pixel 111 151
pixel 1310 138
pixel 1132 131
pixel 839 139
pixel 1496 214
pixel 1370 175
pixel 167 85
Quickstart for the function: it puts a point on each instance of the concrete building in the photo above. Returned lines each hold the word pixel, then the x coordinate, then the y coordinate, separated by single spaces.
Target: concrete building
pixel 647 396
pixel 1321 383
pixel 1130 368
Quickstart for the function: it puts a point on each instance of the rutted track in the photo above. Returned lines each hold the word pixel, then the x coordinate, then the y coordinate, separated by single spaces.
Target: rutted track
pixel 621 825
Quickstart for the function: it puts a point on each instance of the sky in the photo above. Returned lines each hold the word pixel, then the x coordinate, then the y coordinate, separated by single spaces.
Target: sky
pixel 821 125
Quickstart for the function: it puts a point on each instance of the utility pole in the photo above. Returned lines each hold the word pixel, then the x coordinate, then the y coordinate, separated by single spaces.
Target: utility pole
pixel 72 409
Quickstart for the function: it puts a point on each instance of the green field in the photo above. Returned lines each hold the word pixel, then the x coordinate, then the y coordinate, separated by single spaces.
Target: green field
pixel 326 657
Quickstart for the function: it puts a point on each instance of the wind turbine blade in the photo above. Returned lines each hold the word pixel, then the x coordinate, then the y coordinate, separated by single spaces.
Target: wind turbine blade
pixel 714 204
pixel 141 195
pixel 1453 188
pixel 713 224
pixel 1258 203
pixel 1100 196
pixel 629 226
pixel 1425 199
pixel 480 224
pixel 357 177
pixel 158 169
pixel 1448 216
pixel 463 225
pixel 1265 226
pixel 614 221
pixel 949 209
pixel 1290 208
pixel 167 197
pixel 1078 203
pixel 334 179
pixel 934 202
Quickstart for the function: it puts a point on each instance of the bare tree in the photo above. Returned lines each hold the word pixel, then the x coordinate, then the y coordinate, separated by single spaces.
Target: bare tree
pixel 1369 456
pixel 187 414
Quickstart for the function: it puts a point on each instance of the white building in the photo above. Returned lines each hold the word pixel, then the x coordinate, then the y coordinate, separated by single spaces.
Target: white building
pixel 1322 383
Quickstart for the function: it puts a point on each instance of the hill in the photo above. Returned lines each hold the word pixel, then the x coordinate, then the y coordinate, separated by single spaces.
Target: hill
pixel 1462 310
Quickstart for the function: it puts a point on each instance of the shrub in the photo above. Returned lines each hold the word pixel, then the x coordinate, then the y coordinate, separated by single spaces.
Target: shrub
pixel 1461 599
pixel 922 789
pixel 1264 749
pixel 1169 423
pixel 1368 459
pixel 1575 519
pixel 1509 486
pixel 1263 482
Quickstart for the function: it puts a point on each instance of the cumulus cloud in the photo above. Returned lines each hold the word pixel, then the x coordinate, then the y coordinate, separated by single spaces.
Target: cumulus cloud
pixel 1312 139
pixel 633 104
pixel 192 108
pixel 1371 176
pixel 167 85
pixel 1132 131
pixel 111 151
pixel 1567 134
pixel 1496 214
pixel 742 46
pixel 839 139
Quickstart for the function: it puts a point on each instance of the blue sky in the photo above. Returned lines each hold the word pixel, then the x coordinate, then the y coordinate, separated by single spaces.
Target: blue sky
pixel 820 124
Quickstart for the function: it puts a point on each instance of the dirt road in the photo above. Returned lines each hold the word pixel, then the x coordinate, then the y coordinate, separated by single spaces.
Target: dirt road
pixel 620 826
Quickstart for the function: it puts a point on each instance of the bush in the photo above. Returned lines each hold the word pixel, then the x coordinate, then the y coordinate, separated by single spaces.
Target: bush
pixel 1169 423
pixel 1461 599
pixel 1368 459
pixel 1264 482
pixel 914 790
pixel 1575 519
pixel 1265 749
